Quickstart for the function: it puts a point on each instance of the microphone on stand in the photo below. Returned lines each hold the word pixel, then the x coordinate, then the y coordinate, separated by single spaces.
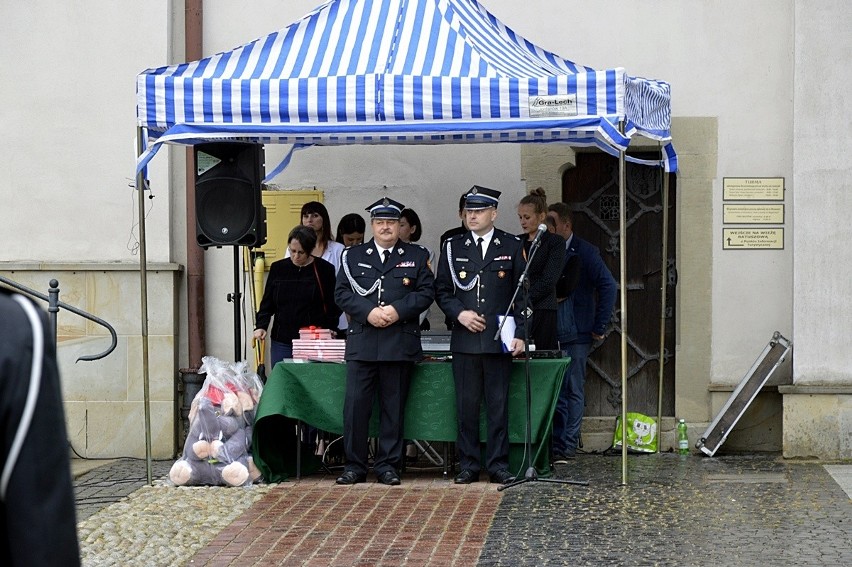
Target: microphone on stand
pixel 542 228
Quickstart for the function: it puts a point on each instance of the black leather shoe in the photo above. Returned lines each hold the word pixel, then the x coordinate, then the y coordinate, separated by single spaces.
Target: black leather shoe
pixel 350 477
pixel 390 478
pixel 502 477
pixel 466 477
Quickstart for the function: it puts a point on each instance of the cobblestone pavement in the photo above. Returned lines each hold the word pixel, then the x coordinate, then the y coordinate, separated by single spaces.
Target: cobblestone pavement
pixel 685 511
pixel 110 483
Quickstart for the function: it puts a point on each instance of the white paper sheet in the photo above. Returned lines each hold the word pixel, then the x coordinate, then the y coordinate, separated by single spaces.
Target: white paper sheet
pixel 507 333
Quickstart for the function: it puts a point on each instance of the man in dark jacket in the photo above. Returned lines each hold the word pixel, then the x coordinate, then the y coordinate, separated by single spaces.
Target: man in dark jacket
pixel 383 285
pixel 590 320
pixel 37 521
pixel 477 275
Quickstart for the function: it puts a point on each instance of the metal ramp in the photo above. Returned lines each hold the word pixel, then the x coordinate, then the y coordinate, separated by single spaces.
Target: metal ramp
pixel 758 375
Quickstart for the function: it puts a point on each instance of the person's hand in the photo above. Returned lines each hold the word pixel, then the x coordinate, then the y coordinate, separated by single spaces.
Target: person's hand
pixel 376 317
pixel 390 314
pixel 517 347
pixel 259 334
pixel 472 321
pixel 597 337
pixel 383 316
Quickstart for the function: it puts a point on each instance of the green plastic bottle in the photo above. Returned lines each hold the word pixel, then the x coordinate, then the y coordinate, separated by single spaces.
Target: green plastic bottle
pixel 682 438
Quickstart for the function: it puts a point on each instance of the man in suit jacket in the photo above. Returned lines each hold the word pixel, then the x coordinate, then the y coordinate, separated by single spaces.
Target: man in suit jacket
pixel 477 276
pixel 383 285
pixel 590 318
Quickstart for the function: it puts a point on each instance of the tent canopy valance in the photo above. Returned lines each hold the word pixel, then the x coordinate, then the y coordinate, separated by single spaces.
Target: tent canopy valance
pixel 398 72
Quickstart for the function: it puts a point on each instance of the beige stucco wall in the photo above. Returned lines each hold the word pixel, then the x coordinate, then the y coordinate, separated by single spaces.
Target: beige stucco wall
pixel 818 406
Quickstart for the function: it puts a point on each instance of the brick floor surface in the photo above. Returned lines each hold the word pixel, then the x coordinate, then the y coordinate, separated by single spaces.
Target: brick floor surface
pixel 315 522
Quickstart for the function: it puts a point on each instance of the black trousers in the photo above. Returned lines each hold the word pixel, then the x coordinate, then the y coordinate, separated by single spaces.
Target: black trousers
pixel 479 376
pixel 391 380
pixel 543 329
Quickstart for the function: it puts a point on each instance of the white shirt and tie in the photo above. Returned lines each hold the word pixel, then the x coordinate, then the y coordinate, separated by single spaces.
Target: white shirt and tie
pixel 483 241
pixel 384 253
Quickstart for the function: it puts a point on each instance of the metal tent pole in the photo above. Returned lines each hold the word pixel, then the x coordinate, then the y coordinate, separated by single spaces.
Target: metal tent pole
pixel 143 283
pixel 236 298
pixel 622 255
pixel 663 286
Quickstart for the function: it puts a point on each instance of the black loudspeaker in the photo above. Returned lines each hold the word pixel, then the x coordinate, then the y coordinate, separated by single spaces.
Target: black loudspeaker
pixel 228 207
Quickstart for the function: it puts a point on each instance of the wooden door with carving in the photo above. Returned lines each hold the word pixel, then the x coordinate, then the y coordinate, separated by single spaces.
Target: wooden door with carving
pixel 591 189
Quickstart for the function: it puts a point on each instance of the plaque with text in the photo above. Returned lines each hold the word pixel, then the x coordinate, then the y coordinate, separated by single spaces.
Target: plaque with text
pixel 753 188
pixel 752 214
pixel 752 239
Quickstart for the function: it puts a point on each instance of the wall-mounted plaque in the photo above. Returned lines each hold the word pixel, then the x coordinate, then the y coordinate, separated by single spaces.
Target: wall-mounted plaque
pixel 752 213
pixel 752 239
pixel 753 188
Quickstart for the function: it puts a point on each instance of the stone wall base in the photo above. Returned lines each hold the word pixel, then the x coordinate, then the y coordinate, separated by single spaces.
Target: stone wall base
pixel 817 421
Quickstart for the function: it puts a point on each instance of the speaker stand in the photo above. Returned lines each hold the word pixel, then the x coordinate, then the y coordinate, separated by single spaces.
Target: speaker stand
pixel 235 297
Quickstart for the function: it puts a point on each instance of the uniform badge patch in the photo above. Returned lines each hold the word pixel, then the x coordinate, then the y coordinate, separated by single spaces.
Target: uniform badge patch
pixel 406 281
pixel 501 274
pixel 462 274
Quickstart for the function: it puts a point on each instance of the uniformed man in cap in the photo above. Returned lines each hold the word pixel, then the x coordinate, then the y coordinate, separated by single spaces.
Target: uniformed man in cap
pixel 383 285
pixel 477 276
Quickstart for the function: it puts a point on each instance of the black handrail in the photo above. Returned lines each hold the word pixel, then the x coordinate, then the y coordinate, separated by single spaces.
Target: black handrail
pixel 53 305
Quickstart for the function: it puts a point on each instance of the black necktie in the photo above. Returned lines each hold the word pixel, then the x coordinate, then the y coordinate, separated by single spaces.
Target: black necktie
pixel 385 256
pixel 481 248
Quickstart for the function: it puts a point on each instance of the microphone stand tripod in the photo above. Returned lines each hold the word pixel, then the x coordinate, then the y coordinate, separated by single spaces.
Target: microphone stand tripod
pixel 531 475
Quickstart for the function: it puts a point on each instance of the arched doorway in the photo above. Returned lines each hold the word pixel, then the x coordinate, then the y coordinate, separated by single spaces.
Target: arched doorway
pixel 591 188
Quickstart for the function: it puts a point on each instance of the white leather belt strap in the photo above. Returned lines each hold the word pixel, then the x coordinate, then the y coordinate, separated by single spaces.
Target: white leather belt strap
pixel 32 394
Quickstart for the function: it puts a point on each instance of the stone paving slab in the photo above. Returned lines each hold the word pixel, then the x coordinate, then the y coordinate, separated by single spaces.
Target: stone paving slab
pixel 676 511
pixel 842 475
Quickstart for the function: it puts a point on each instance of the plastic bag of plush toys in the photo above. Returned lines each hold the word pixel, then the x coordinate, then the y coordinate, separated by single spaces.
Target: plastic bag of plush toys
pixel 218 446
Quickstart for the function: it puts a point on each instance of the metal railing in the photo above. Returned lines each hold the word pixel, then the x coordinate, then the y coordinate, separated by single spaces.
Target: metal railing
pixel 53 306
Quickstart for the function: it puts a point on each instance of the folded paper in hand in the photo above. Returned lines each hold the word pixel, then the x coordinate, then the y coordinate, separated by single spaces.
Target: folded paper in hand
pixel 507 331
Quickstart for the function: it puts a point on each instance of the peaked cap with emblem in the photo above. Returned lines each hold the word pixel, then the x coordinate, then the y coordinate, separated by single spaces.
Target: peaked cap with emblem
pixel 481 198
pixel 385 208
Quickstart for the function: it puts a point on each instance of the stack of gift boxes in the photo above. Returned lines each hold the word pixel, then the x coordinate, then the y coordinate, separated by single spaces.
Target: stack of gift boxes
pixel 318 344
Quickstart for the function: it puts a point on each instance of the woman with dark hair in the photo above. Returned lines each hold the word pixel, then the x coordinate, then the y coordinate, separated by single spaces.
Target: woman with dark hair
pixel 544 270
pixel 299 292
pixel 410 230
pixel 315 215
pixel 350 230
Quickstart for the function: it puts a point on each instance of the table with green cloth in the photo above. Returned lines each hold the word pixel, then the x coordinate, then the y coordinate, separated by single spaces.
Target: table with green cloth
pixel 313 393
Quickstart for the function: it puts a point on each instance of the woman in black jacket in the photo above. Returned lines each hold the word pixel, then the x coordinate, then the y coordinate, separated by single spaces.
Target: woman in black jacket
pixel 544 270
pixel 299 292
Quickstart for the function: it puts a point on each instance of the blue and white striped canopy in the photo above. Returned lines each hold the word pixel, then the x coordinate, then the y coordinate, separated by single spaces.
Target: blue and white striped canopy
pixel 398 72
